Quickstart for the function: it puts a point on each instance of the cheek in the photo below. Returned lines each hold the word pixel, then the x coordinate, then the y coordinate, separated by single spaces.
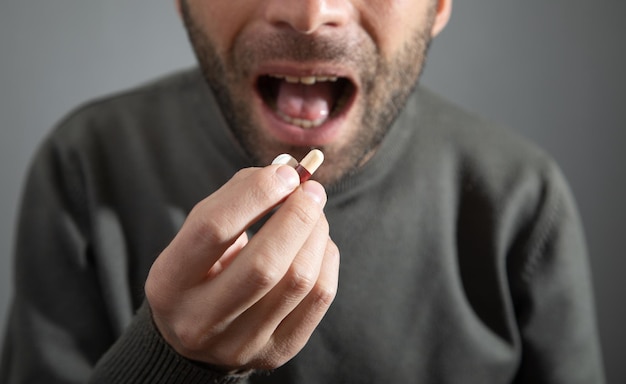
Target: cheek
pixel 221 20
pixel 392 23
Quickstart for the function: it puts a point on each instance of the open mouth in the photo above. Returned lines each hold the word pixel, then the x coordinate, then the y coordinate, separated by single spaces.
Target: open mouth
pixel 306 101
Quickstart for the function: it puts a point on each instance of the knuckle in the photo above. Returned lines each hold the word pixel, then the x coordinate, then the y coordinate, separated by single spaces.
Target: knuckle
pixel 324 295
pixel 301 280
pixel 209 223
pixel 263 274
pixel 213 231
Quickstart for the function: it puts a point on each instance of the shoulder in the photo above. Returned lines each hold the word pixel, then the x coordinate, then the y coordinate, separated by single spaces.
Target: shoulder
pixel 144 109
pixel 478 151
pixel 132 131
pixel 506 181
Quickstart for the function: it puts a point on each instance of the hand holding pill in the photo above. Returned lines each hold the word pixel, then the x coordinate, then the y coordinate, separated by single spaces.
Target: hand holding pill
pixel 242 303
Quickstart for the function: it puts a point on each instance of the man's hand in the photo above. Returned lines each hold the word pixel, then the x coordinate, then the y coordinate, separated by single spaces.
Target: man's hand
pixel 238 304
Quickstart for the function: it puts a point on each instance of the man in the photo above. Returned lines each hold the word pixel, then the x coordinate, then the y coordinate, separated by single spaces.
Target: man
pixel 462 253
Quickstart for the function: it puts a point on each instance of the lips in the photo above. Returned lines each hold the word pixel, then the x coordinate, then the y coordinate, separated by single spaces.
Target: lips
pixel 305 108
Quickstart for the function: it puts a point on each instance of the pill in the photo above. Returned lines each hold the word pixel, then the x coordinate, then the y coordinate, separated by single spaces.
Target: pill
pixel 285 159
pixel 309 164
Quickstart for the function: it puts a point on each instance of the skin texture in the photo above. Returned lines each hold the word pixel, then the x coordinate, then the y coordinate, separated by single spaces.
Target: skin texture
pixel 241 304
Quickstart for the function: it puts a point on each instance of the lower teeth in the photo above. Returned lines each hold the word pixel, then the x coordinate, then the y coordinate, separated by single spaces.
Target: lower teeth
pixel 302 123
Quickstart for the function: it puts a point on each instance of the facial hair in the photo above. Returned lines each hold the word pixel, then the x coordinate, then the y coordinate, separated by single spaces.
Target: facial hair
pixel 385 87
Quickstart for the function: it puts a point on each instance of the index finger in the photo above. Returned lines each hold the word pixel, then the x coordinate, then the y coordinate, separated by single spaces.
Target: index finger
pixel 217 221
pixel 266 258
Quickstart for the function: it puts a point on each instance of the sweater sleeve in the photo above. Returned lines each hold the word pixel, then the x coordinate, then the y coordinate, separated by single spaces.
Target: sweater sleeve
pixel 60 329
pixel 555 309
pixel 142 356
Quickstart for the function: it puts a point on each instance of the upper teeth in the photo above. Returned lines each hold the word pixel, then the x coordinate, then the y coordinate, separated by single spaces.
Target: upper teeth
pixel 307 80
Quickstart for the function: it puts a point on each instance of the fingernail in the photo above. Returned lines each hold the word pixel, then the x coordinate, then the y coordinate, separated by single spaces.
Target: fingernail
pixel 315 191
pixel 289 176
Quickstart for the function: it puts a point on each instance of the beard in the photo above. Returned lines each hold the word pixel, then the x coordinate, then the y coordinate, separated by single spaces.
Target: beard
pixel 385 87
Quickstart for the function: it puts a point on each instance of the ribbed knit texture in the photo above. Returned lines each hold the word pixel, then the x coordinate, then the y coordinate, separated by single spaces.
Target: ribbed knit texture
pixel 142 356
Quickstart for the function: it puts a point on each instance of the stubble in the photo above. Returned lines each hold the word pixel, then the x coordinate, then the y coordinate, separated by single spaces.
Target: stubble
pixel 386 86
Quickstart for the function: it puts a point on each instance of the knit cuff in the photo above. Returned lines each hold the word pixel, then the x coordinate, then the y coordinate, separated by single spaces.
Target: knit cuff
pixel 142 356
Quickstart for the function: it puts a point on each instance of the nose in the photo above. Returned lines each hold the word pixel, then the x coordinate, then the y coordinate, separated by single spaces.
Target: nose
pixel 308 16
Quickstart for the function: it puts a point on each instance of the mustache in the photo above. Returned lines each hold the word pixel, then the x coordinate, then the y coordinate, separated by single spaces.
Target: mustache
pixel 303 48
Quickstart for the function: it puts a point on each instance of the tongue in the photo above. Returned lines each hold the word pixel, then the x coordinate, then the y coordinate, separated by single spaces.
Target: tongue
pixel 309 102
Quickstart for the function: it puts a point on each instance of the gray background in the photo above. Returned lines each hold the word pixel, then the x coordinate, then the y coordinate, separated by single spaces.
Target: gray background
pixel 551 70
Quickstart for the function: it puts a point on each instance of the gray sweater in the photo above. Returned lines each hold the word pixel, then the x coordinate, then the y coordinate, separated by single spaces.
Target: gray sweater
pixel 463 259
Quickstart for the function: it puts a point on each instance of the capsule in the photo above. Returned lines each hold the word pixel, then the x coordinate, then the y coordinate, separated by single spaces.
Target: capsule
pixel 285 159
pixel 306 167
pixel 309 164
